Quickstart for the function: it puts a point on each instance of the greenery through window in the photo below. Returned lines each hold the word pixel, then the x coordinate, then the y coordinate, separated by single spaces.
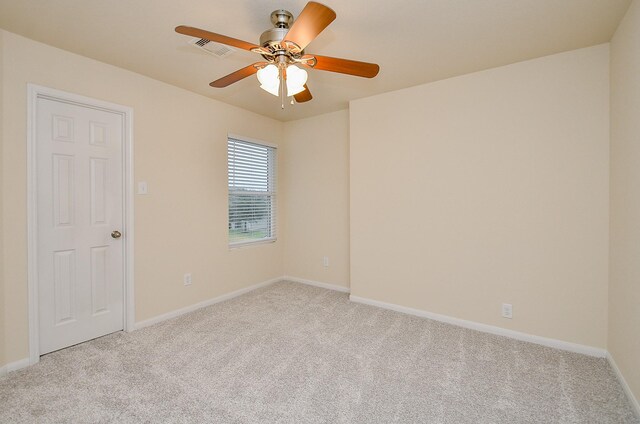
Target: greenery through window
pixel 251 171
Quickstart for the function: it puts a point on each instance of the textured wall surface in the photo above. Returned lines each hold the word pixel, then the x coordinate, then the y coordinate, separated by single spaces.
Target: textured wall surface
pixel 485 189
pixel 624 285
pixel 316 183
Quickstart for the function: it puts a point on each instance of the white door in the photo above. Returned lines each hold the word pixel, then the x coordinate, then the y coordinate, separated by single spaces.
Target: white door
pixel 80 212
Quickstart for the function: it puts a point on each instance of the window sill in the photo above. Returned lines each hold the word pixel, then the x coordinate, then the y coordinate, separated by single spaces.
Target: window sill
pixel 238 245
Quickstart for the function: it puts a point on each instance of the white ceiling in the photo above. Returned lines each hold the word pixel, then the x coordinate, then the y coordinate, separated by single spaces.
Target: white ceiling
pixel 413 41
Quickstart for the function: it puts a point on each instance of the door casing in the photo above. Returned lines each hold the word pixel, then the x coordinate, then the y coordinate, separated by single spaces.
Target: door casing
pixel 33 93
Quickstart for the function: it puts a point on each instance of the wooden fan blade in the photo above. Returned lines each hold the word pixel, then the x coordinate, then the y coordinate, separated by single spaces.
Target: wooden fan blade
pixel 312 20
pixel 212 36
pixel 303 96
pixel 346 66
pixel 237 75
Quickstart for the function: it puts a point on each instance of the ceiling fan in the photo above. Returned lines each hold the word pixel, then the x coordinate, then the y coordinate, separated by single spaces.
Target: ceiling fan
pixel 282 48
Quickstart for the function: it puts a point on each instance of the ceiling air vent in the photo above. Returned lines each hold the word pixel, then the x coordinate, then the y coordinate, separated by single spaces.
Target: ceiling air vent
pixel 215 49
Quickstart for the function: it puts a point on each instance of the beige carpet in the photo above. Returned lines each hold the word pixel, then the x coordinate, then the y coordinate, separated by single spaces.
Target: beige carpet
pixel 291 353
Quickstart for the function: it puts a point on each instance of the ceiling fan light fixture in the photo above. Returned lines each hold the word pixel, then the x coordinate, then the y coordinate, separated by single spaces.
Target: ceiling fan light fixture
pixel 296 79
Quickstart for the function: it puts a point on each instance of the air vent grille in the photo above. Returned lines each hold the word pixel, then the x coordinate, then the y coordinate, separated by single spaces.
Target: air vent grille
pixel 215 49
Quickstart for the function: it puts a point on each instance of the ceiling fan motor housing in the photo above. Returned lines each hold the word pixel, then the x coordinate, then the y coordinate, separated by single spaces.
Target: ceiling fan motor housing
pixel 273 36
pixel 281 20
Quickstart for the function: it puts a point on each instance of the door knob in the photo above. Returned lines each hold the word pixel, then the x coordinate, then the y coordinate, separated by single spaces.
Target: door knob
pixel 116 234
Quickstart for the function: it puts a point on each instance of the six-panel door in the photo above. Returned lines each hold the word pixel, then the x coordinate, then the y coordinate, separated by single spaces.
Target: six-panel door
pixel 80 202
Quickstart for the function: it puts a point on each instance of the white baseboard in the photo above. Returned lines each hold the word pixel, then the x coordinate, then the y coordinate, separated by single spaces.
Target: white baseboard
pixel 14 366
pixel 317 284
pixel 632 399
pixel 196 306
pixel 485 328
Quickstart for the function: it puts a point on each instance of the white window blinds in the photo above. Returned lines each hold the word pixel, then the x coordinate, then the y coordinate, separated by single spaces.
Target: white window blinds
pixel 252 191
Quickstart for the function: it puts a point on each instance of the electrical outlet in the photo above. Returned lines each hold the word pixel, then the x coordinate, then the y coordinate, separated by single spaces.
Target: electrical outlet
pixel 187 279
pixel 507 310
pixel 325 261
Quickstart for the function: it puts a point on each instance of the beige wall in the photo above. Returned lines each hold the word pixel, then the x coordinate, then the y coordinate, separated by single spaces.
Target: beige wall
pixel 2 306
pixel 180 150
pixel 488 188
pixel 315 176
pixel 624 286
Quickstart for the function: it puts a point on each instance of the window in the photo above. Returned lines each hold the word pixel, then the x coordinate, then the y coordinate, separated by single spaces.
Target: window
pixel 252 192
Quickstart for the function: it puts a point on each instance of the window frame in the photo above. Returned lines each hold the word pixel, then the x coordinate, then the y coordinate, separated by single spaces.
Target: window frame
pixel 272 194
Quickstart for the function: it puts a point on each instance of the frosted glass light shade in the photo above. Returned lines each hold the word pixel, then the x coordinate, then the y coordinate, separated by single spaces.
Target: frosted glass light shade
pixel 296 79
pixel 269 79
pixel 273 89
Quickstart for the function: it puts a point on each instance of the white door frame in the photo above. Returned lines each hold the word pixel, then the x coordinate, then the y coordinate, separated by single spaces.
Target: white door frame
pixel 34 92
